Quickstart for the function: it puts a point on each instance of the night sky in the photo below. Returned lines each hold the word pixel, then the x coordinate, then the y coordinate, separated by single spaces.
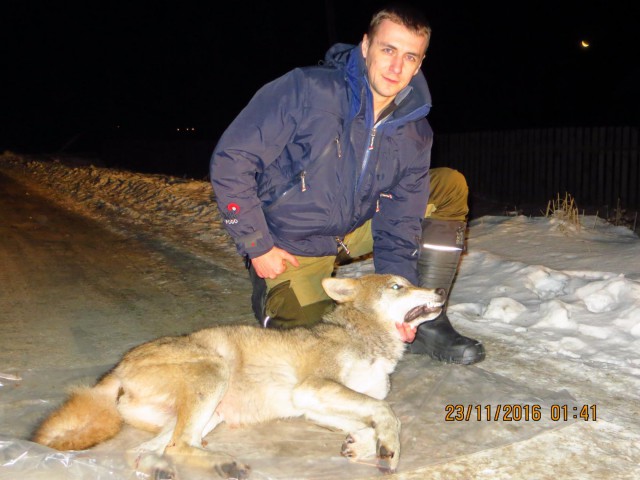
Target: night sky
pixel 148 68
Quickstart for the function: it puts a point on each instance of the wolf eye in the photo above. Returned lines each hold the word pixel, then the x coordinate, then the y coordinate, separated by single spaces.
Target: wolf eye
pixel 396 286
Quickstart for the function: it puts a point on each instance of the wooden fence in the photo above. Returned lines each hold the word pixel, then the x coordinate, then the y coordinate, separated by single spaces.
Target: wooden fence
pixel 597 166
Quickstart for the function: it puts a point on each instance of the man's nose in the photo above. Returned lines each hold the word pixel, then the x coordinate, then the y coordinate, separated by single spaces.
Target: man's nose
pixel 396 65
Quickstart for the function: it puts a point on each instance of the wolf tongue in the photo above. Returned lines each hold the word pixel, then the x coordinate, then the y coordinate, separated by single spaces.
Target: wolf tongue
pixel 407 332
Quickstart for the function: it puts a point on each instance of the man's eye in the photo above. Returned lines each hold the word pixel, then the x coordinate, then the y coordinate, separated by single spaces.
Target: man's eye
pixel 412 59
pixel 395 286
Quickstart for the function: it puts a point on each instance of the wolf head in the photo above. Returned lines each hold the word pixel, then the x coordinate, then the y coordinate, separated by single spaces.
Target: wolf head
pixel 388 298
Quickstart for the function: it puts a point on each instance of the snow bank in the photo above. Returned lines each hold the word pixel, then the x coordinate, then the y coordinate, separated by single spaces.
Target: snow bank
pixel 182 211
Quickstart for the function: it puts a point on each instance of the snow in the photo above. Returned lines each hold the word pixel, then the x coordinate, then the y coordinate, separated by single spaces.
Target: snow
pixel 556 304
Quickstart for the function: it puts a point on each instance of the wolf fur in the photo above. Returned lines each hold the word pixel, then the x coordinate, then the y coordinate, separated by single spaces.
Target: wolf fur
pixel 335 374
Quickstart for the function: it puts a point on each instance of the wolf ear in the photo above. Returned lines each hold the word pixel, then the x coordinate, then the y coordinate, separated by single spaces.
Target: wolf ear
pixel 340 289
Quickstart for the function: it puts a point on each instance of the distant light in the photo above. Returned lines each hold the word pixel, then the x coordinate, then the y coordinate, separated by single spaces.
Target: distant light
pixel 178 129
pixel 584 44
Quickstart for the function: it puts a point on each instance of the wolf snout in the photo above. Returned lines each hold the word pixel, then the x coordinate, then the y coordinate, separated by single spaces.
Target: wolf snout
pixel 428 310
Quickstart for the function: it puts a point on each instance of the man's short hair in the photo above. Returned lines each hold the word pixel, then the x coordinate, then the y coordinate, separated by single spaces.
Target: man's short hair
pixel 402 14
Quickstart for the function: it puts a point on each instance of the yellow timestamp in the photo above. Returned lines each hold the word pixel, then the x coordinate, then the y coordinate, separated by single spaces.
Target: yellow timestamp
pixel 510 412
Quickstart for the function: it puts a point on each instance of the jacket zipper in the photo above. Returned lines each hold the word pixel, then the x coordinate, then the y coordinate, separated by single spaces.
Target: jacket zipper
pixel 370 147
pixel 302 178
pixel 367 154
pixel 382 195
pixel 298 182
pixel 372 139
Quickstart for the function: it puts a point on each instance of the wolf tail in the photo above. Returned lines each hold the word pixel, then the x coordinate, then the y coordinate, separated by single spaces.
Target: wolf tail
pixel 88 417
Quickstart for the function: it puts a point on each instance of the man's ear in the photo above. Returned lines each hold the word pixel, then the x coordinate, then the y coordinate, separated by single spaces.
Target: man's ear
pixel 365 45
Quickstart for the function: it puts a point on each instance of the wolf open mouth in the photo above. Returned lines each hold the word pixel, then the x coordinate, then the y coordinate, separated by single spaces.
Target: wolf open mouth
pixel 421 310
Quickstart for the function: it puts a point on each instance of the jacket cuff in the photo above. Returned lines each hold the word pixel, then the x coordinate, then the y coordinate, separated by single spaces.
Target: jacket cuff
pixel 254 244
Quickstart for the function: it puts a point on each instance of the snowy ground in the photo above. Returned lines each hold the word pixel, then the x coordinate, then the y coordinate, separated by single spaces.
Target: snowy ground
pixel 557 306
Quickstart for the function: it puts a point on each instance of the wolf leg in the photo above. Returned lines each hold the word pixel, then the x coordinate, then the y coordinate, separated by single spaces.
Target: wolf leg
pixel 158 443
pixel 331 404
pixel 148 455
pixel 204 386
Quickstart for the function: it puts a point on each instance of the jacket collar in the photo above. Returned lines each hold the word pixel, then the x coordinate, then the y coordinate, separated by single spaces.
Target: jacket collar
pixel 414 101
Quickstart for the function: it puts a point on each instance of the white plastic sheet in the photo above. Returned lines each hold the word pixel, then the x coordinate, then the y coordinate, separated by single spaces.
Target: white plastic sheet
pixel 423 393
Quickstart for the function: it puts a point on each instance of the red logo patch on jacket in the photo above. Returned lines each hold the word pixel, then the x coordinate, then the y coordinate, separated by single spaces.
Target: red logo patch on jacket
pixel 233 209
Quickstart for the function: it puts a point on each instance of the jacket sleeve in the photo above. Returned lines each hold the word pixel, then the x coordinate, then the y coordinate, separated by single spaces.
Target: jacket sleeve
pixel 250 144
pixel 396 227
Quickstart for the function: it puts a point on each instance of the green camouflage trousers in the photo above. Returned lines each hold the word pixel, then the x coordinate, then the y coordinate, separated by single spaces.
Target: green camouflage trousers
pixel 296 296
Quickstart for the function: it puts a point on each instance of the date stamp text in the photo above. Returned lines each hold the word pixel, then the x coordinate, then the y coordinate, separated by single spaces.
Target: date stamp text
pixel 518 412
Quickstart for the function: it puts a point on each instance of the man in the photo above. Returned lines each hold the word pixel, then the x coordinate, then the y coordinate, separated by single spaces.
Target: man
pixel 335 159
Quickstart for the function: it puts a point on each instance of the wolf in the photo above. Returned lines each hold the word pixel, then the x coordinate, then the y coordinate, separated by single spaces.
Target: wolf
pixel 335 374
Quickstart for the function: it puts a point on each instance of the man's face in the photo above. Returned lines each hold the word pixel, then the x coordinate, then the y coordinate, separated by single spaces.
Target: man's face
pixel 393 56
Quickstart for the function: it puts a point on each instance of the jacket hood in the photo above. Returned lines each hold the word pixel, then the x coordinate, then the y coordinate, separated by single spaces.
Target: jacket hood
pixel 338 55
pixel 416 96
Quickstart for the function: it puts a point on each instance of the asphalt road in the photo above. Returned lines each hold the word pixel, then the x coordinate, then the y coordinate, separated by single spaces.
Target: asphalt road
pixel 72 291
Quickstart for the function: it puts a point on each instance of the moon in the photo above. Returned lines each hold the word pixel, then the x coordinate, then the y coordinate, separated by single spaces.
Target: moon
pixel 584 43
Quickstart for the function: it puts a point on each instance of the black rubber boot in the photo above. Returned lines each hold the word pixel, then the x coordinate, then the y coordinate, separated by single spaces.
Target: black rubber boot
pixel 440 250
pixel 258 294
pixel 441 341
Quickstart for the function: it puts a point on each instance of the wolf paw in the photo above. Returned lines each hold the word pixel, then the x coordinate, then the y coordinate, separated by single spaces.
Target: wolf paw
pixel 388 457
pixel 157 467
pixel 360 444
pixel 233 471
pixel 164 474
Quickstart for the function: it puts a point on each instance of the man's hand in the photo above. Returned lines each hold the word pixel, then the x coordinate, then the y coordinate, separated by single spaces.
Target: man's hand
pixel 272 263
pixel 407 332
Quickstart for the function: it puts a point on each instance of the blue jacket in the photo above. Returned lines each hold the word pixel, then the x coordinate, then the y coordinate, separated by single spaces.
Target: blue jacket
pixel 304 164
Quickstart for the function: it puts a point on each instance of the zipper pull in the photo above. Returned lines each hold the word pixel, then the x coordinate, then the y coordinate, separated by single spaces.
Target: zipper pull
pixel 382 195
pixel 303 184
pixel 372 138
pixel 343 245
pixel 339 147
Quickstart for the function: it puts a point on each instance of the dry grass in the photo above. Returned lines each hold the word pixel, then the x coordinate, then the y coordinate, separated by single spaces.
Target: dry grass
pixel 564 209
pixel 622 217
